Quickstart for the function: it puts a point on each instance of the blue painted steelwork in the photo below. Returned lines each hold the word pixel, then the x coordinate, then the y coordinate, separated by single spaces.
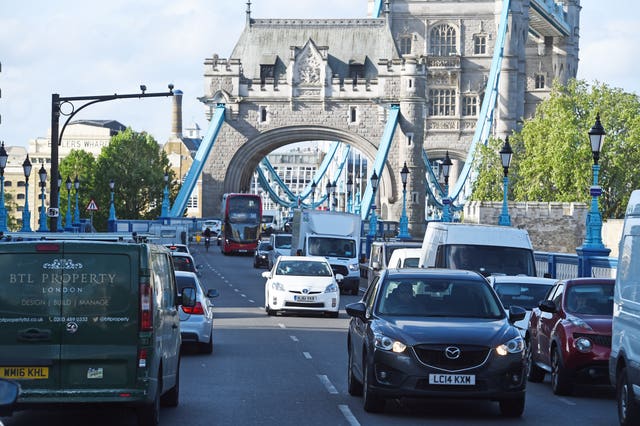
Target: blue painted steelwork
pixel 553 13
pixel 180 203
pixel 377 8
pixel 483 125
pixel 381 158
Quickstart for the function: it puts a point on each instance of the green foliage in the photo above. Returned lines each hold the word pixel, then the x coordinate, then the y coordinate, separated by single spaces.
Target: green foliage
pixel 80 164
pixel 552 158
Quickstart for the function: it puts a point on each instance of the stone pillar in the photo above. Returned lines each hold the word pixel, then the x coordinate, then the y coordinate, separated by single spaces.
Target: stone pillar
pixel 176 119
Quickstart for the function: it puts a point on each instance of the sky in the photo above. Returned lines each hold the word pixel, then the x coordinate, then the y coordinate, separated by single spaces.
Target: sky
pixel 89 48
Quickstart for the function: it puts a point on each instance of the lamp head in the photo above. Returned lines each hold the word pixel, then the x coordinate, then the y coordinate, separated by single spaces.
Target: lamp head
pixel 42 174
pixel 505 155
pixel 26 167
pixel 3 156
pixel 446 166
pixel 374 181
pixel 111 184
pixel 76 183
pixel 596 137
pixel 68 183
pixel 404 174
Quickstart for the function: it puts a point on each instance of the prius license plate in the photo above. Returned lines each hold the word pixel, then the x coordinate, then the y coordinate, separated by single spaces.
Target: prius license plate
pixel 24 373
pixel 304 298
pixel 452 379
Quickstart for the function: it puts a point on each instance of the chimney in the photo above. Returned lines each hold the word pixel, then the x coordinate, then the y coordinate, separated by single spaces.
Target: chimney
pixel 176 122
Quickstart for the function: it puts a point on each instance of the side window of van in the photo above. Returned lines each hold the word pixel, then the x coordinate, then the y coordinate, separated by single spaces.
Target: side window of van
pixel 163 280
pixel 628 270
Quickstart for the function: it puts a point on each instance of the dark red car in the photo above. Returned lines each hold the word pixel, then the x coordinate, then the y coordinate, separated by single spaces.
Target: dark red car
pixel 569 334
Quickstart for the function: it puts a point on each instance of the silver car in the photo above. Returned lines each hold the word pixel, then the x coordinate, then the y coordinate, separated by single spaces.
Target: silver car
pixel 196 323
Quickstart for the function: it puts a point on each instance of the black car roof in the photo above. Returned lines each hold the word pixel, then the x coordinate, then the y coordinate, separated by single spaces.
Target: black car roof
pixel 433 273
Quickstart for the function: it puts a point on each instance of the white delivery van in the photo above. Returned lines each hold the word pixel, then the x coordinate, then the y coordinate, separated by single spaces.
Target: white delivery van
pixel 624 361
pixel 405 258
pixel 488 249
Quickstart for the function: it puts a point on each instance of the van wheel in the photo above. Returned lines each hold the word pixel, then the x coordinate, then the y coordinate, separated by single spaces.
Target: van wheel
pixel 172 397
pixel 628 409
pixel 149 414
pixel 206 348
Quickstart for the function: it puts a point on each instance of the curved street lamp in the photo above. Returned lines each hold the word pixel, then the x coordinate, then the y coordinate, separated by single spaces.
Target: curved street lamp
pixel 26 215
pixel 446 169
pixel 42 175
pixel 404 220
pixel 505 157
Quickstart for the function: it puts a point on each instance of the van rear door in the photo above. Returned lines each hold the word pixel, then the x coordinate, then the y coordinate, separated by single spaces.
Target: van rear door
pixel 68 315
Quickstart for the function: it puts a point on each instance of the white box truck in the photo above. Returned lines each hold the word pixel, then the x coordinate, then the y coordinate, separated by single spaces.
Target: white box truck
pixel 334 235
pixel 488 249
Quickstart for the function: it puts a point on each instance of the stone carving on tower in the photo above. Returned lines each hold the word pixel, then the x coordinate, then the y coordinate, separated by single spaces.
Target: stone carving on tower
pixel 308 70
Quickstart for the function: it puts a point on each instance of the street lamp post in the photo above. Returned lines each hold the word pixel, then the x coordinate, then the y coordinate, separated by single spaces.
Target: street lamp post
pixel 357 191
pixel 76 212
pixel 3 209
pixel 594 219
pixel 349 189
pixel 313 194
pixel 404 220
pixel 334 200
pixel 68 226
pixel 373 220
pixel 446 169
pixel 505 156
pixel 26 215
pixel 42 174
pixel 111 223
pixel 59 218
pixel 165 197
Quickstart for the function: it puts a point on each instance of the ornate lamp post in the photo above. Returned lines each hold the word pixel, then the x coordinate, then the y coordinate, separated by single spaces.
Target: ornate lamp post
pixel 165 197
pixel 59 219
pixel 42 174
pixel 3 210
pixel 357 191
pixel 404 220
pixel 505 156
pixel 313 194
pixel 327 188
pixel 68 226
pixel 373 220
pixel 111 222
pixel 26 215
pixel 349 189
pixel 446 169
pixel 334 201
pixel 594 219
pixel 76 212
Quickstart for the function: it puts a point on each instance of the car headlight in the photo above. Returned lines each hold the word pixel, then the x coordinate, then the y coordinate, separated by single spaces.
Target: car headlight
pixel 277 286
pixel 331 288
pixel 583 344
pixel 513 346
pixel 579 322
pixel 354 267
pixel 389 344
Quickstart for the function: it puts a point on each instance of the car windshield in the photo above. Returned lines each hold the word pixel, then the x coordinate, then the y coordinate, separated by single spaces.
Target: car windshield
pixel 303 268
pixel 183 263
pixel 425 297
pixel 489 260
pixel 592 299
pixel 283 241
pixel 335 247
pixel 525 295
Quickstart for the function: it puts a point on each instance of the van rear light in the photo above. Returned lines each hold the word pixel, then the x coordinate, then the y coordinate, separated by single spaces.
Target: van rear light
pixel 195 310
pixel 48 247
pixel 142 358
pixel 146 307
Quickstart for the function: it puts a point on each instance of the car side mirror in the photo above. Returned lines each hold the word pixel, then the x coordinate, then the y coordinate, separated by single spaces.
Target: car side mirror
pixel 339 277
pixel 9 391
pixel 548 306
pixel 266 274
pixel 358 310
pixel 375 265
pixel 188 297
pixel 516 313
pixel 212 292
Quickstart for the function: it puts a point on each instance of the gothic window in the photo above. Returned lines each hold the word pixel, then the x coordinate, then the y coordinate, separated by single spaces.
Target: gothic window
pixel 479 44
pixel 470 105
pixel 263 114
pixel 405 45
pixel 443 40
pixel 540 81
pixel 353 114
pixel 443 102
pixel 356 72
pixel 266 71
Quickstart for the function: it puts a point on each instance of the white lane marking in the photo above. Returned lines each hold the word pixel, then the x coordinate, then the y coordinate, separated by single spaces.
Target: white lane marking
pixel 236 290
pixel 282 325
pixel 307 355
pixel 327 384
pixel 566 401
pixel 243 295
pixel 252 301
pixel 346 412
pixel 294 338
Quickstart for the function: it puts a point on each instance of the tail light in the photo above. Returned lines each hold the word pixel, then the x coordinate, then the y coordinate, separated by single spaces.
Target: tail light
pixel 146 307
pixel 142 358
pixel 195 310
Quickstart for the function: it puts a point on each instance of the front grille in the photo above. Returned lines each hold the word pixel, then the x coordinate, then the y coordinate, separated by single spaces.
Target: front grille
pixel 597 339
pixel 434 356
pixel 299 292
pixel 303 305
pixel 340 269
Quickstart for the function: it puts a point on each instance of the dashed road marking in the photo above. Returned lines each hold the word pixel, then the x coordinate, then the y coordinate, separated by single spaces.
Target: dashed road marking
pixel 294 338
pixel 307 355
pixel 568 402
pixel 327 384
pixel 346 412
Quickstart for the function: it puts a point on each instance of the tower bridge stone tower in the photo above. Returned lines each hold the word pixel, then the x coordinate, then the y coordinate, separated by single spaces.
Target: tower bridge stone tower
pixel 294 80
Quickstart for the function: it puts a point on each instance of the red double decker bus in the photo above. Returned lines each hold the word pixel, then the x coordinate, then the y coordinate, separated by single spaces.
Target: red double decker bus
pixel 241 217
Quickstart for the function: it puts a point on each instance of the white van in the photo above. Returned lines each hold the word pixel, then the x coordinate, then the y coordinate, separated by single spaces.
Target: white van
pixel 405 258
pixel 488 249
pixel 624 362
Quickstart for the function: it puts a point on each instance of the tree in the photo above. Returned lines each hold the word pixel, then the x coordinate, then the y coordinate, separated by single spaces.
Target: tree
pixel 137 165
pixel 552 158
pixel 80 164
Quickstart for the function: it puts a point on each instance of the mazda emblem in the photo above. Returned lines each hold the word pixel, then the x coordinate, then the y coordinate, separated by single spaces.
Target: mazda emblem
pixel 452 352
